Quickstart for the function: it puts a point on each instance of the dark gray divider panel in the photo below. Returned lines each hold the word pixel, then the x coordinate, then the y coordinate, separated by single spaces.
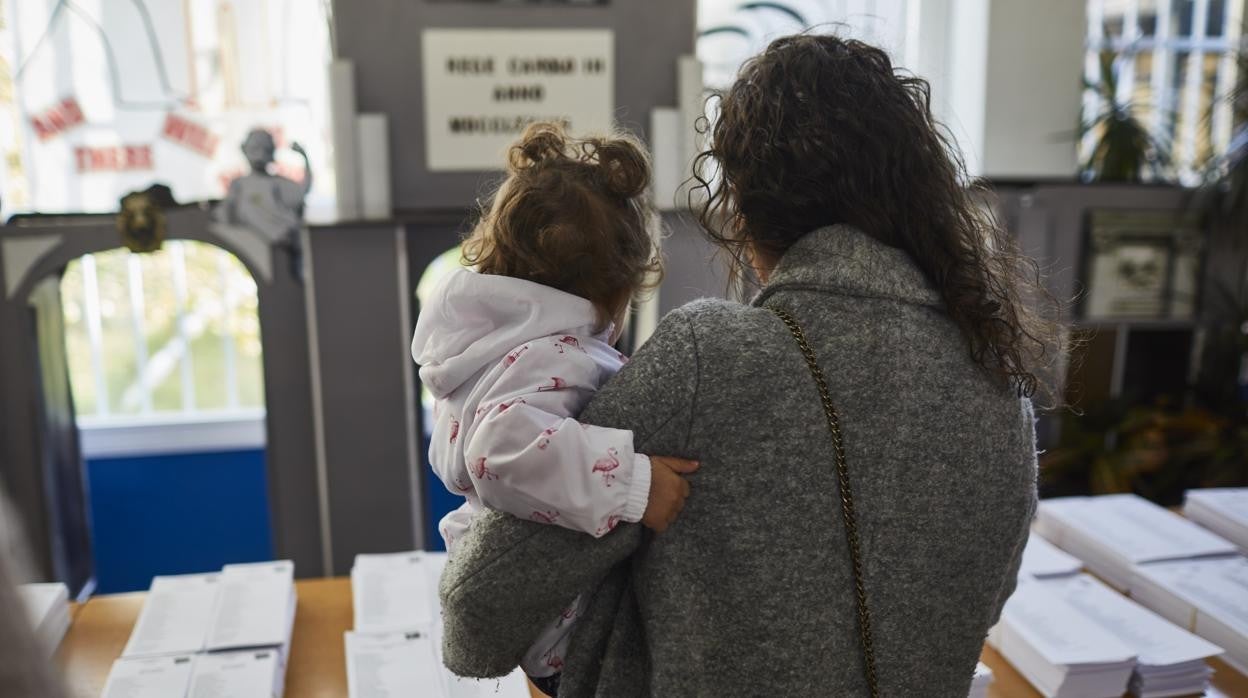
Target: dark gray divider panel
pixel 363 334
pixel 382 37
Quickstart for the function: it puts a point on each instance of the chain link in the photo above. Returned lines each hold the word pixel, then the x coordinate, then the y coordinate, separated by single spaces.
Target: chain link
pixel 847 497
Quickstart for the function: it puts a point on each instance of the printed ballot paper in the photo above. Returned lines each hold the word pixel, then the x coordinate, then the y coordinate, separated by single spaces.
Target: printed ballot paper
pixel 245 674
pixel 396 647
pixel 1222 510
pixel 1043 559
pixel 1170 661
pixel 392 592
pixel 398 665
pixel 1057 648
pixel 1208 597
pixel 1112 533
pixel 150 677
pixel 219 635
pixel 255 606
pixel 175 617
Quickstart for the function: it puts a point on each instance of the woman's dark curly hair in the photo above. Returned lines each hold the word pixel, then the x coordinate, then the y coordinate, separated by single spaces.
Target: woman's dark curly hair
pixel 573 214
pixel 819 130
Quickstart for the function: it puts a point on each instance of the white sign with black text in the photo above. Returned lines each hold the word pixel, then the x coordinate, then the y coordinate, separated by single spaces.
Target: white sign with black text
pixel 482 87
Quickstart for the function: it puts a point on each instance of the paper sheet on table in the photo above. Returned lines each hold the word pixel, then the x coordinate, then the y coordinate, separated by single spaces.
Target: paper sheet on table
pixel 1134 528
pixel 396 665
pixel 150 677
pixel 1216 587
pixel 1231 502
pixel 392 595
pixel 1059 632
pixel 1043 559
pixel 246 674
pixel 1154 639
pixel 399 665
pixel 175 616
pixel 254 606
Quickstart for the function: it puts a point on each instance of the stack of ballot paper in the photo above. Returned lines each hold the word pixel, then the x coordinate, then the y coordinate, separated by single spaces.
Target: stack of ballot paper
pixel 1043 559
pixel 981 681
pixel 1056 647
pixel 1208 597
pixel 232 627
pixel 243 674
pixel 1113 533
pixel 1223 511
pixel 393 592
pixel 396 647
pixel 1170 661
pixel 48 608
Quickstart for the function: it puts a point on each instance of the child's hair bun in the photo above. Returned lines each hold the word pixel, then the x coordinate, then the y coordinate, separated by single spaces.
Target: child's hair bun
pixel 624 165
pixel 618 163
pixel 540 142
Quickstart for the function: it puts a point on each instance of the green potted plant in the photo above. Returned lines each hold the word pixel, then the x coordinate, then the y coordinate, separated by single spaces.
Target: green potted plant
pixel 1124 150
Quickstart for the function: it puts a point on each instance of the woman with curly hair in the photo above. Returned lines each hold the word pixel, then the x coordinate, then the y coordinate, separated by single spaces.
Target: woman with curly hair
pixel 864 424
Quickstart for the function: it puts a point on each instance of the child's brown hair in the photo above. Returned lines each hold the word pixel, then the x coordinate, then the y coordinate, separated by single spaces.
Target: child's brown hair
pixel 572 214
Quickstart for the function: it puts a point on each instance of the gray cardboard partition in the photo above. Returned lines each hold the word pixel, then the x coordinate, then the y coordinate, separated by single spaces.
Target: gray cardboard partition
pixel 365 277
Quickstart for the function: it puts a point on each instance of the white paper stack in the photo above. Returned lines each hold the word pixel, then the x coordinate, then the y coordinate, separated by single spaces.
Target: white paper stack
pixel 255 607
pixel 1170 660
pixel 1113 533
pixel 1223 511
pixel 393 592
pixel 396 647
pixel 1057 648
pixel 247 674
pixel 1042 559
pixel 47 605
pixel 981 681
pixel 150 677
pixel 1208 597
pixel 176 616
pixel 232 628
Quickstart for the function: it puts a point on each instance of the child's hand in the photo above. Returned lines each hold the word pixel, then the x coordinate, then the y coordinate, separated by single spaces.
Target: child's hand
pixel 668 491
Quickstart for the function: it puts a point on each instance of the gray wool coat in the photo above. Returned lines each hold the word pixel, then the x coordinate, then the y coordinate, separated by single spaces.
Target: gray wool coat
pixel 750 592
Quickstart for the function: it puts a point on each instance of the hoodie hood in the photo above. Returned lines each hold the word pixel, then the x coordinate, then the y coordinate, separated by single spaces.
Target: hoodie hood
pixel 471 320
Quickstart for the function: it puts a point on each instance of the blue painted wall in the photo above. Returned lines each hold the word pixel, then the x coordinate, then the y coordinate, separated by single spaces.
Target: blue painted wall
pixel 176 514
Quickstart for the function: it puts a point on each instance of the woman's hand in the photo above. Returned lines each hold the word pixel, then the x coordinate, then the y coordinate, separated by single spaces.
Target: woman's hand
pixel 668 491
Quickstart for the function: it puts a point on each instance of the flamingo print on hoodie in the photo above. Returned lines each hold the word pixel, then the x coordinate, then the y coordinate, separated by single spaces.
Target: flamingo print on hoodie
pixel 511 363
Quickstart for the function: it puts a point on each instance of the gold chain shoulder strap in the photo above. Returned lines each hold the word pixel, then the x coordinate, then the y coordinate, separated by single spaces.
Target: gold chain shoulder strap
pixel 847 497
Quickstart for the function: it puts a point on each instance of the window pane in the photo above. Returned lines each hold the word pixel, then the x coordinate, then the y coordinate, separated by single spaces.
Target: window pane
pixel 1215 24
pixel 221 328
pixel 77 344
pixel 117 337
pixel 1183 16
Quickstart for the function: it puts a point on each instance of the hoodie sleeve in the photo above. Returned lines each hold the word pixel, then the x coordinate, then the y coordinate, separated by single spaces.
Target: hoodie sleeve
pixel 529 457
pixel 498 592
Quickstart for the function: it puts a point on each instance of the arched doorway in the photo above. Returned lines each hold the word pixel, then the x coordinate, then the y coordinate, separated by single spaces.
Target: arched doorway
pixel 39 454
pixel 164 359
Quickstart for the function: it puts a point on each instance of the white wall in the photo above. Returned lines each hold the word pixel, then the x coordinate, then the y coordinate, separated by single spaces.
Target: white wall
pixel 1034 88
pixel 1006 79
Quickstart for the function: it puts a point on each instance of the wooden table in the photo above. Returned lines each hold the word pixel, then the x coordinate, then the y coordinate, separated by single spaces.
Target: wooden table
pixel 317 667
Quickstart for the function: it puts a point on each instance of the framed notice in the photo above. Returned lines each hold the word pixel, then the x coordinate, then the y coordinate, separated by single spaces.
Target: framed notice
pixel 1141 265
pixel 482 87
pixel 529 2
